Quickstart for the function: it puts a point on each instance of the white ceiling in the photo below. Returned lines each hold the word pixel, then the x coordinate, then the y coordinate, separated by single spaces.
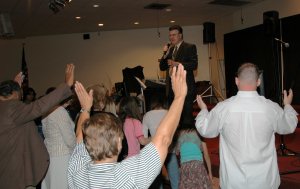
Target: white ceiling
pixel 33 17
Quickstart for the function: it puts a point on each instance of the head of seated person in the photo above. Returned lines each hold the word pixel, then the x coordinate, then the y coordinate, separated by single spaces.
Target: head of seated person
pixel 102 136
pixel 10 90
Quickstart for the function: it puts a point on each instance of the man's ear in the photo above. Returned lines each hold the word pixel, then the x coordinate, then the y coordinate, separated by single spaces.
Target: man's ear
pixel 237 81
pixel 258 82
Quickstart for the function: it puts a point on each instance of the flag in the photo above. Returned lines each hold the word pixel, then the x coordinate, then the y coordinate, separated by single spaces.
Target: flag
pixel 24 69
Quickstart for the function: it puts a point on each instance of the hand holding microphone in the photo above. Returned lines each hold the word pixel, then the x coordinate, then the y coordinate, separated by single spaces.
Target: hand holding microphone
pixel 166 48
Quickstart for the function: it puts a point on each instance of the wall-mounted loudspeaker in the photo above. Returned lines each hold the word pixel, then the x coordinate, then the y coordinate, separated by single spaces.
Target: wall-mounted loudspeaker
pixel 208 32
pixel 86 36
pixel 271 23
pixel 6 29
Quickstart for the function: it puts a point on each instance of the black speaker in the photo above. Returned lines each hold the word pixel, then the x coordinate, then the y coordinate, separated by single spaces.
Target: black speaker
pixel 208 32
pixel 271 23
pixel 86 36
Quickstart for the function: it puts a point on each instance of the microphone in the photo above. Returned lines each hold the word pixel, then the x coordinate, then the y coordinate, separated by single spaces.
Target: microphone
pixel 286 45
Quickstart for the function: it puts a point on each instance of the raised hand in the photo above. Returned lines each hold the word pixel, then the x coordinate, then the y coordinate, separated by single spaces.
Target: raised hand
pixel 69 74
pixel 179 85
pixel 287 99
pixel 19 78
pixel 200 102
pixel 85 99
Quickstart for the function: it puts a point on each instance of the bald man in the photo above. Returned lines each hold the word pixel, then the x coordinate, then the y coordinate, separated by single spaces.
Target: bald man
pixel 246 124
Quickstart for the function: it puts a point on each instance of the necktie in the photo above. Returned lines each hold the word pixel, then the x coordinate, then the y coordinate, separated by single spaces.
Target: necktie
pixel 174 53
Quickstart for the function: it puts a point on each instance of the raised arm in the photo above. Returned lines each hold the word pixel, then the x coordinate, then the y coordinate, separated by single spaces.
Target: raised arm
pixel 28 112
pixel 165 132
pixel 287 119
pixel 19 78
pixel 86 102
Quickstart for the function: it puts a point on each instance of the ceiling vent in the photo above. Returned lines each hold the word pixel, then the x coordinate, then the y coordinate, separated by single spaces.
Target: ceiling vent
pixel 157 6
pixel 235 3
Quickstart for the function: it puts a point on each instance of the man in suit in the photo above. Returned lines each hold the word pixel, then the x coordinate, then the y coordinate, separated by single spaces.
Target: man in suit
pixel 180 52
pixel 24 157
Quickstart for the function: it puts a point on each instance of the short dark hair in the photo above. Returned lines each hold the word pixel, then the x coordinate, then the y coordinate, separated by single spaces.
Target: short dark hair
pixel 7 87
pixel 176 27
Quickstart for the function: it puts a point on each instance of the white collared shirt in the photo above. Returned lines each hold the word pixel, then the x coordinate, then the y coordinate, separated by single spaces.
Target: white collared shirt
pixel 246 124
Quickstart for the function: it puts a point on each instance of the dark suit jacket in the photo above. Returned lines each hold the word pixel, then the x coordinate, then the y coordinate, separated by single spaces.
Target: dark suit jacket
pixel 24 158
pixel 187 55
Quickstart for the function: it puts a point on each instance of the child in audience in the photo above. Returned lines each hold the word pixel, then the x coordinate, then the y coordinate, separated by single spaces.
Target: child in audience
pixel 192 150
pixel 131 118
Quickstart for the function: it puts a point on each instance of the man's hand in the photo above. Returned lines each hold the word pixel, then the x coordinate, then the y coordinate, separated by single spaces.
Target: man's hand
pixel 85 99
pixel 287 99
pixel 179 85
pixel 69 74
pixel 200 102
pixel 172 63
pixel 19 78
pixel 166 48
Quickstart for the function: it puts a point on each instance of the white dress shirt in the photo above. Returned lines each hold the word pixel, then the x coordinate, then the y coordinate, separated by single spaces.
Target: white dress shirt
pixel 246 124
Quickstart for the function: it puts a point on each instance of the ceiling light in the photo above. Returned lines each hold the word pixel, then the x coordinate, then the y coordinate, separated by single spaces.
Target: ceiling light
pixel 168 10
pixel 100 25
pixel 95 6
pixel 172 21
pixel 136 23
pixel 78 17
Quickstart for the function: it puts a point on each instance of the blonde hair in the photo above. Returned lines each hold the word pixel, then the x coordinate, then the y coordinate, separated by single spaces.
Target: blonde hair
pixel 99 96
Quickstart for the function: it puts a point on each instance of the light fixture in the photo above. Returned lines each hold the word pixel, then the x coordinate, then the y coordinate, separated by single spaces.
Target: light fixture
pixel 100 24
pixel 136 23
pixel 95 6
pixel 55 5
pixel 78 17
pixel 172 21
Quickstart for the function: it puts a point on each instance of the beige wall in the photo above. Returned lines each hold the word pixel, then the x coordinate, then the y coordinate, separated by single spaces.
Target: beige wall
pixel 102 58
pixel 98 60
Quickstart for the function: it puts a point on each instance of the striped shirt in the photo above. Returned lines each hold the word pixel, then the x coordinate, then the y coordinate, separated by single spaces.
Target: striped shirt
pixel 138 171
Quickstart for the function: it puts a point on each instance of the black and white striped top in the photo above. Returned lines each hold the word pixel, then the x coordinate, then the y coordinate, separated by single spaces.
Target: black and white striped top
pixel 138 171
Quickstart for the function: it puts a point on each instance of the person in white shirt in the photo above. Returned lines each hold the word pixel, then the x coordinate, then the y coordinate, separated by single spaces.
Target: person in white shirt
pixel 246 124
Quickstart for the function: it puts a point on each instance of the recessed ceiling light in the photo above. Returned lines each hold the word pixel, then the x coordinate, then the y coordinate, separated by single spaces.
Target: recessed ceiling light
pixel 78 17
pixel 168 10
pixel 95 6
pixel 136 23
pixel 100 25
pixel 172 21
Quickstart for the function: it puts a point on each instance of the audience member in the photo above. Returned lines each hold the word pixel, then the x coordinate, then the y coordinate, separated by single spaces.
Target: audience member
pixel 193 152
pixel 60 140
pixel 29 95
pixel 99 98
pixel 24 157
pixel 151 122
pixel 131 118
pixel 247 123
pixel 93 163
